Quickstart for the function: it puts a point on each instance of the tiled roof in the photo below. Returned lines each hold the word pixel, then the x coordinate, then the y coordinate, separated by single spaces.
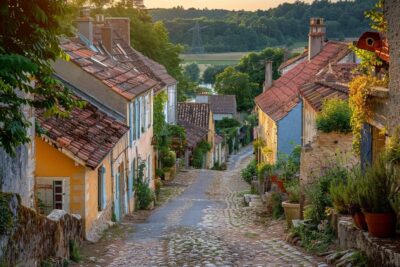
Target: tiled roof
pixel 122 78
pixel 87 133
pixel 222 104
pixel 197 114
pixel 194 134
pixel 125 53
pixel 331 84
pixel 289 62
pixel 282 97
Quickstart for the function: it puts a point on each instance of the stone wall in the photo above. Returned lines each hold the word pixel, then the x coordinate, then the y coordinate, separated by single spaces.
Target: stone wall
pixel 29 238
pixel 392 11
pixel 326 149
pixel 380 252
pixel 17 173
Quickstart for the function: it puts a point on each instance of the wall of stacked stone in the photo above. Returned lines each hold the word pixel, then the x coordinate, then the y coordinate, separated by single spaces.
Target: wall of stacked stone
pixel 29 238
pixel 380 252
pixel 325 150
pixel 392 11
pixel 101 224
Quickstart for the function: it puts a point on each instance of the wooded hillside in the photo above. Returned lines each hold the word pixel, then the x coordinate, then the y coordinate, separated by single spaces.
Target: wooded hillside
pixel 287 24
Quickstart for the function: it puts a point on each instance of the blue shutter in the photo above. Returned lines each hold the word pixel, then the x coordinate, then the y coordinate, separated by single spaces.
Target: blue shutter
pixel 366 146
pixel 103 188
pixel 131 126
pixel 137 118
pixel 130 183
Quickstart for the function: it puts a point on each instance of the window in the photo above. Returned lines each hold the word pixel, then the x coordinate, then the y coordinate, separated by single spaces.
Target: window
pixel 137 118
pixel 101 183
pixel 142 115
pixel 131 123
pixel 148 111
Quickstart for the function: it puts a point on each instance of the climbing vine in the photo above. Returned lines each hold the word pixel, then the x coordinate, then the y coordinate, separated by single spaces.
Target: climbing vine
pixel 359 88
pixel 199 154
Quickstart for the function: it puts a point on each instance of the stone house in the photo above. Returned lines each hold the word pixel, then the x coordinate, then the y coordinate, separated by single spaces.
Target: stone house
pixel 222 106
pixel 104 70
pixel 322 149
pixel 197 119
pixel 77 160
pixel 279 107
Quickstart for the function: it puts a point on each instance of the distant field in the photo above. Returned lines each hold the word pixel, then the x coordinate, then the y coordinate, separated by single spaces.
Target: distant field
pixel 214 59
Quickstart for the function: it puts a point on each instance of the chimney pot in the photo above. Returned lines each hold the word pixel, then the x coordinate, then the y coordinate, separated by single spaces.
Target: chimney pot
pixel 268 75
pixel 316 37
pixel 107 37
pixel 85 24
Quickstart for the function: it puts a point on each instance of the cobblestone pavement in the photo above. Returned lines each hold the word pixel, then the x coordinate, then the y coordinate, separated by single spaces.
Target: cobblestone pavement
pixel 207 225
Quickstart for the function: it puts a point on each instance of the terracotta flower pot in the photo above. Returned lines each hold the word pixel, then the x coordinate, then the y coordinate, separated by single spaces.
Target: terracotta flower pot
pixel 381 224
pixel 359 221
pixel 274 179
pixel 292 212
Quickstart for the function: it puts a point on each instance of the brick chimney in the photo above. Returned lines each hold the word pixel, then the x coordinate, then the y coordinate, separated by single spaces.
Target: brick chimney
pixel 85 24
pixel 316 37
pixel 268 75
pixel 107 36
pixel 122 27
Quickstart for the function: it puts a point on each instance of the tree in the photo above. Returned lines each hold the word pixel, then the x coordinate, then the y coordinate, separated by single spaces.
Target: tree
pixel 210 74
pixel 29 41
pixel 254 65
pixel 233 82
pixel 192 71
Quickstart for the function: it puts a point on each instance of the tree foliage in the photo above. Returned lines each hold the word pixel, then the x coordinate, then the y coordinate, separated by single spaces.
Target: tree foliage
pixel 192 72
pixel 29 41
pixel 254 65
pixel 233 82
pixel 211 72
pixel 231 31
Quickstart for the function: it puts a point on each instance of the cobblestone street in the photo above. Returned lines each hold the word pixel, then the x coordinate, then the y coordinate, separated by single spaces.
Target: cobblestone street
pixel 206 225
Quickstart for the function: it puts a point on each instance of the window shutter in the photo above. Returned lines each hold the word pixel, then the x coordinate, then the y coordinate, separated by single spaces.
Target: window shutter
pixel 143 124
pixel 131 124
pixel 137 119
pixel 103 187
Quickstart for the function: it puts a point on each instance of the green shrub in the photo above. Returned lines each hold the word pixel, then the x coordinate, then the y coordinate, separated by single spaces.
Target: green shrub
pixel 143 192
pixel 335 116
pixel 199 154
pixel 74 253
pixel 250 171
pixel 160 173
pixel 276 204
pixel 158 185
pixel 318 193
pixel 168 159
pixel 377 188
pixel 293 190
pixel 314 240
pixel 219 167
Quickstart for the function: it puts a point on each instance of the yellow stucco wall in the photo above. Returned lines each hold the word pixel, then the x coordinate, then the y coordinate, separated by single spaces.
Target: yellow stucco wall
pixel 211 139
pixel 51 162
pixel 268 133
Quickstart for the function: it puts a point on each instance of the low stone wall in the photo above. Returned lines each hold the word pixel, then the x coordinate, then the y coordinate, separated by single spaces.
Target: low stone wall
pixel 380 252
pixel 28 238
pixel 325 150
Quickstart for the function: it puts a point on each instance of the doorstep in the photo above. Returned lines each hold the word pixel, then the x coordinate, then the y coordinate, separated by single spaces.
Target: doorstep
pixel 381 252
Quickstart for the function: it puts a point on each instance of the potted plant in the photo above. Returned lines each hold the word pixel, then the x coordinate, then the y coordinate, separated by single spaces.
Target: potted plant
pixel 345 200
pixel 375 192
pixel 292 205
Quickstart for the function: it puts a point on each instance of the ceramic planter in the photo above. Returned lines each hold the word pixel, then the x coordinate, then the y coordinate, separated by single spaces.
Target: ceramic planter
pixel 381 224
pixel 292 212
pixel 359 221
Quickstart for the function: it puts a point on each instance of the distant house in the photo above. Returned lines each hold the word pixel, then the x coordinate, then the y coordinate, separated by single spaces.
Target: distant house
pixel 197 119
pixel 279 107
pixel 222 106
pixel 77 160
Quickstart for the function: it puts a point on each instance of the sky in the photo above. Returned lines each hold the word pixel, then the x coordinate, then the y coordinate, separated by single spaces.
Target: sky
pixel 218 4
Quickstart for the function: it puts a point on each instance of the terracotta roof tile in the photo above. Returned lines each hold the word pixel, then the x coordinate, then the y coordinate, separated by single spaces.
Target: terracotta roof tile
pixel 195 113
pixel 113 73
pixel 282 97
pixel 222 104
pixel 88 133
